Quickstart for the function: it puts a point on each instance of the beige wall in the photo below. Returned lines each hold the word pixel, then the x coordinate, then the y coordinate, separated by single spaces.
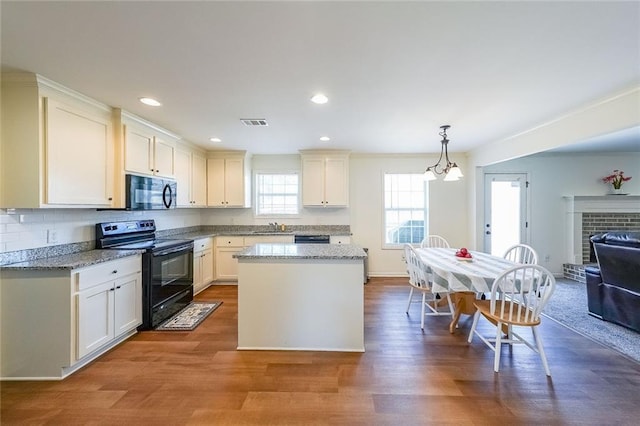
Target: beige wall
pixel 447 206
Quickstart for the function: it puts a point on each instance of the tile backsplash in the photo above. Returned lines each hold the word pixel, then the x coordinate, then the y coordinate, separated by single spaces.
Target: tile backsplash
pixel 22 229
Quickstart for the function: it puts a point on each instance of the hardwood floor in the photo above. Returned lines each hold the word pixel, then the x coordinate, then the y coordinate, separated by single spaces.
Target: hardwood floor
pixel 405 377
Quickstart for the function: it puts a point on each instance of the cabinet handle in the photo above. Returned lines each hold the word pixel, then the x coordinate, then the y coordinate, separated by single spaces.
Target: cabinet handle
pixel 110 198
pixel 119 287
pixel 112 289
pixel 115 271
pixel 157 171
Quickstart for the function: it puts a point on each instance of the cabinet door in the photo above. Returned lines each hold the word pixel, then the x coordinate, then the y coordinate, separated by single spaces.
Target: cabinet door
pixel 336 182
pixel 164 158
pixel 215 182
pixel 128 304
pixel 95 318
pixel 234 182
pixel 313 182
pixel 226 265
pixel 138 151
pixel 197 272
pixel 207 266
pixel 79 152
pixel 183 178
pixel 198 180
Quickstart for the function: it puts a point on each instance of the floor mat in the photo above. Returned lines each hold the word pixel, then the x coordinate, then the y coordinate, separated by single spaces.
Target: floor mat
pixel 190 317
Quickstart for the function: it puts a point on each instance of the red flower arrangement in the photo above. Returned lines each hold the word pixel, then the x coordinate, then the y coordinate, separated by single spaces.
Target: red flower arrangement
pixel 616 179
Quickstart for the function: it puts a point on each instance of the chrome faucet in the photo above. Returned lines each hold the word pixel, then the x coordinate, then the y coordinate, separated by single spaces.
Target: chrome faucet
pixel 275 225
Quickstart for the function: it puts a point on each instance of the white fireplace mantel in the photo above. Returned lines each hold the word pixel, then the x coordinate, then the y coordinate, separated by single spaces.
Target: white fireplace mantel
pixel 576 205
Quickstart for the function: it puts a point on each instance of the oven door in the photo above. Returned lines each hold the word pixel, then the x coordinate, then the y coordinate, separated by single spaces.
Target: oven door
pixel 171 274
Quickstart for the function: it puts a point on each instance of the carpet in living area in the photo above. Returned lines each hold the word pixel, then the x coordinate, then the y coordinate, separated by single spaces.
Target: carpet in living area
pixel 568 306
pixel 190 317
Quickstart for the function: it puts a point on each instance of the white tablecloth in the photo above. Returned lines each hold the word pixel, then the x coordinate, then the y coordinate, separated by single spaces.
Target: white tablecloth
pixel 450 274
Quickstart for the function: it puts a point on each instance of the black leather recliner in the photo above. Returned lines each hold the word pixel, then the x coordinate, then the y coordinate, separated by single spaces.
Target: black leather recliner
pixel 613 287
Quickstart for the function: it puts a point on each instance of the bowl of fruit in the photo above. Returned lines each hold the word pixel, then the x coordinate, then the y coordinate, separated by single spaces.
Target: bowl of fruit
pixel 463 254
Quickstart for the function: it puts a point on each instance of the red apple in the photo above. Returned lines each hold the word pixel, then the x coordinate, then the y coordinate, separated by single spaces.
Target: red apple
pixel 468 255
pixel 463 250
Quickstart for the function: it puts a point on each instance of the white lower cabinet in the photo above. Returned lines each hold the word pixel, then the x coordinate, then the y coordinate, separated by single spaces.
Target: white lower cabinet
pixel 108 310
pixel 202 264
pixel 55 321
pixel 109 303
pixel 95 318
pixel 226 267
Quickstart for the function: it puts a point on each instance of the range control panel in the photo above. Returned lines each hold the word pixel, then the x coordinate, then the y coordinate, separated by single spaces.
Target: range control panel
pixel 107 229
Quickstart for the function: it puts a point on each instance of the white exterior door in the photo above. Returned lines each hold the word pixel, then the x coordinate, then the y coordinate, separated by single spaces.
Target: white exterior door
pixel 505 211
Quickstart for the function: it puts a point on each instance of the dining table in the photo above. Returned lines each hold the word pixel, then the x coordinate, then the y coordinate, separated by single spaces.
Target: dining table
pixel 462 278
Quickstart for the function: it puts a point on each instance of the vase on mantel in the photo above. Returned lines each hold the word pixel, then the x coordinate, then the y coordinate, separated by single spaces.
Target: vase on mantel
pixel 618 191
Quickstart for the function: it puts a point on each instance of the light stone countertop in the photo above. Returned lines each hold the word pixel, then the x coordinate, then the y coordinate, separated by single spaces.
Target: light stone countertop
pixel 206 234
pixel 71 261
pixel 301 251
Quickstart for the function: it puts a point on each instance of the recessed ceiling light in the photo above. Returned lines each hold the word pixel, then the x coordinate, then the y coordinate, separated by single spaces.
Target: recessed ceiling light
pixel 215 140
pixel 319 99
pixel 150 102
pixel 325 138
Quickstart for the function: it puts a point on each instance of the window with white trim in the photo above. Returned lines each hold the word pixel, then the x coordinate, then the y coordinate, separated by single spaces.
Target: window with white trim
pixel 277 194
pixel 405 208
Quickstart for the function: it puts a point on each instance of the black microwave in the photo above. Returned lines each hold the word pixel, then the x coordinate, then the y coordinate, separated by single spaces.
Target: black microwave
pixel 149 193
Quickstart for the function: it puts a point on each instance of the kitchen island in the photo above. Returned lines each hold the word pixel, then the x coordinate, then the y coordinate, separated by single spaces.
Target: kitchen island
pixel 301 297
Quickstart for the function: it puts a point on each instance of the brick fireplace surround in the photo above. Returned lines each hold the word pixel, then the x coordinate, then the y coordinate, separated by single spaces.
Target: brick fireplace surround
pixel 588 215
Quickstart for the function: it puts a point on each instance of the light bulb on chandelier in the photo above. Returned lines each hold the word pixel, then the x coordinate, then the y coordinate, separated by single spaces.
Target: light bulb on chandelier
pixel 450 169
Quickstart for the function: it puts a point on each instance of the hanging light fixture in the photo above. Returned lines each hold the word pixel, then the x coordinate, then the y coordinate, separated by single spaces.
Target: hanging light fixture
pixel 450 170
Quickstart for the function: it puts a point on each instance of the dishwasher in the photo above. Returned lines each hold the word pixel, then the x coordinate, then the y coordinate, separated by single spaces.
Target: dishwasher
pixel 311 239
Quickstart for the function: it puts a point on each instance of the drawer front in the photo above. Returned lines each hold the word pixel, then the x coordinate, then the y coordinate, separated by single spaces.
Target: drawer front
pixel 229 241
pixel 93 275
pixel 338 239
pixel 202 244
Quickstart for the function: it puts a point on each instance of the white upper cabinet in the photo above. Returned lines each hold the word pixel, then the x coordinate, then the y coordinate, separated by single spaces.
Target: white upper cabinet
pixel 191 176
pixel 199 180
pixel 58 146
pixel 228 180
pixel 148 149
pixel 325 178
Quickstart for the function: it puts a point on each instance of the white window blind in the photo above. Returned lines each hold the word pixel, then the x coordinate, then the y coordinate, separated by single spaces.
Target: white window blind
pixel 277 194
pixel 405 208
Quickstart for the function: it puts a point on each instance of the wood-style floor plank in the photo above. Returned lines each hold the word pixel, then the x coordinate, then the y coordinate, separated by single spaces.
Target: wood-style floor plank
pixel 406 376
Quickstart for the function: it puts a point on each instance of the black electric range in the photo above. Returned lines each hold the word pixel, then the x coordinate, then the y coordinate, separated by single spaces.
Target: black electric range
pixel 167 267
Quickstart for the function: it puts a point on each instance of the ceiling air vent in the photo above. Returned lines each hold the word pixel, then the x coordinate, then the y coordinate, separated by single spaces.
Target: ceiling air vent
pixel 254 121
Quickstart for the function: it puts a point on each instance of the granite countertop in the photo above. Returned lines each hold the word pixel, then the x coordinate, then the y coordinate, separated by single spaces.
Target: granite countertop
pixel 302 251
pixel 245 231
pixel 205 234
pixel 71 261
pixel 81 254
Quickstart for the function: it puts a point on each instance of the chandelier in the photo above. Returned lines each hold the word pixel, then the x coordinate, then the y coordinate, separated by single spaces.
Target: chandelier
pixel 450 170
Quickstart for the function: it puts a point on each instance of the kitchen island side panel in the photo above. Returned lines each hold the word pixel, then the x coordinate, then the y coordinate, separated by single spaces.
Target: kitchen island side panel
pixel 301 304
